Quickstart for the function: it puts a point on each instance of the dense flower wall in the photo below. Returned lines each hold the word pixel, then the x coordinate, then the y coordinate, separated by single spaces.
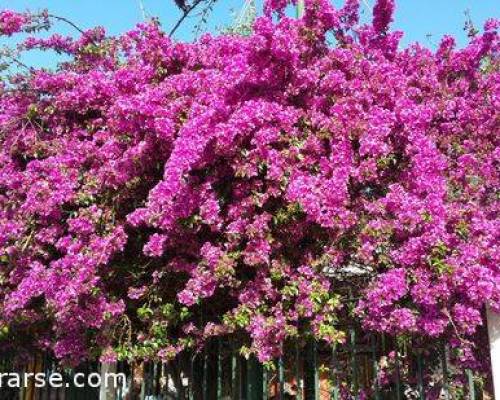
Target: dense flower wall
pixel 155 193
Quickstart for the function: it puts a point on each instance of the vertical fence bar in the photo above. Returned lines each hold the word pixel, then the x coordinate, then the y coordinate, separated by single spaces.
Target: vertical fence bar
pixel 31 381
pixel 444 363
pixel 69 388
pixel 250 382
pixel 254 379
pixel 205 375
pixel 156 380
pixel 316 372
pixel 472 389
pixel 334 395
pixel 143 380
pixel 250 387
pixel 493 323
pixel 199 376
pixel 265 385
pixel 311 386
pixel 420 376
pixel 298 378
pixel 148 378
pixel 79 391
pixel 119 392
pixel 191 377
pixel 281 378
pixel 373 341
pixel 152 379
pixel 219 368
pixel 354 364
pixel 234 376
pixel 398 373
pixel 241 377
pixel 166 378
pixel 46 368
pixel 83 391
pixel 107 390
pixel 162 378
pixel 211 379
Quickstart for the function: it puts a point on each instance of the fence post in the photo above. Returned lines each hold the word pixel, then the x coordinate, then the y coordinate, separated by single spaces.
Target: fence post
pixel 107 391
pixel 494 337
pixel 311 372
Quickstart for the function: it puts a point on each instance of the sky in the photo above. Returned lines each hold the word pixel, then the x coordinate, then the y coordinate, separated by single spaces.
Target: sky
pixel 425 21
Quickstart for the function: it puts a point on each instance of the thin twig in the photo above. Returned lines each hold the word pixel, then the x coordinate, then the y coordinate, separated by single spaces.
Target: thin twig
pixel 203 16
pixel 67 21
pixel 19 63
pixel 463 340
pixel 185 14
pixel 70 23
pixel 14 59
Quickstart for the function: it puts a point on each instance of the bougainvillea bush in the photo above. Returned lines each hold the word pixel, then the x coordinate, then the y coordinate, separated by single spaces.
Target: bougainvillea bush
pixel 155 194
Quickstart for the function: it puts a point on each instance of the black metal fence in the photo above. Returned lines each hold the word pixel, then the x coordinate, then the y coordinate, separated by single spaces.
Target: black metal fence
pixel 366 367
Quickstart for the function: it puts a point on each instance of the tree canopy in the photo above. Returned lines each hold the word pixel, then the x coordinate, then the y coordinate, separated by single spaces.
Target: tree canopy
pixel 155 193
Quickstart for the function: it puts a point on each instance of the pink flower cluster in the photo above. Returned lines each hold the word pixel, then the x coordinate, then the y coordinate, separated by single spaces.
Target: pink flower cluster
pixel 12 22
pixel 156 193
